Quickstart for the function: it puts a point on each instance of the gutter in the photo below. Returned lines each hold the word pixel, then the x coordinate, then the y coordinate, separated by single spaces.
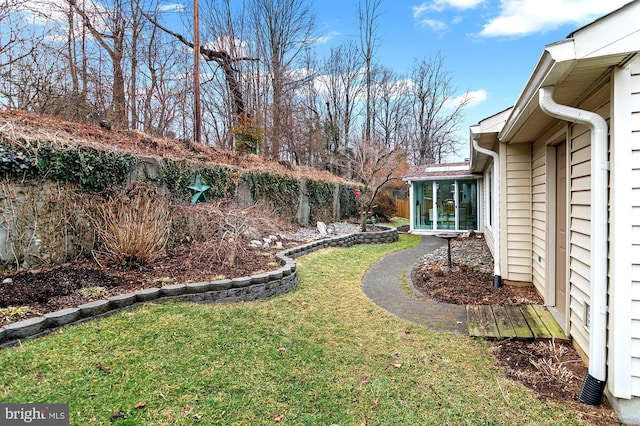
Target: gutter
pixel 495 229
pixel 593 386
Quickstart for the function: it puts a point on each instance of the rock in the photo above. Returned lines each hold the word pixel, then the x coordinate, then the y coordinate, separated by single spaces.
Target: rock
pixel 7 281
pixel 322 228
pixel 256 243
pixel 251 233
pixel 266 246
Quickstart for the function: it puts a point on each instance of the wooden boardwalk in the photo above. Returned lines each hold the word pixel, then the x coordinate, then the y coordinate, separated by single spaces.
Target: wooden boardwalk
pixel 513 322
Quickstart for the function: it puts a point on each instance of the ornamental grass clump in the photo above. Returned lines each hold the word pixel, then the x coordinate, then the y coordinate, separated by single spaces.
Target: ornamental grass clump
pixel 133 226
pixel 14 313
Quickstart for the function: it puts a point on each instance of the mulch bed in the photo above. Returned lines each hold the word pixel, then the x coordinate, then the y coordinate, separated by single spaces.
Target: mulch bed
pixel 52 289
pixel 552 370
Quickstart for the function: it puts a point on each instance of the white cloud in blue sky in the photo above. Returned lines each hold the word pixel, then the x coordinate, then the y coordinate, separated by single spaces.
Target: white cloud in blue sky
pixel 326 38
pixel 171 7
pixel 522 17
pixel 514 18
pixel 472 98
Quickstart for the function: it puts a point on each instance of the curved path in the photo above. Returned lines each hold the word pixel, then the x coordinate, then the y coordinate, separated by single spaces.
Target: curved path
pixel 388 284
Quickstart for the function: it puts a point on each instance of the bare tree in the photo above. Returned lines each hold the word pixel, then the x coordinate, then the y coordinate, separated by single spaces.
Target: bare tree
pixel 343 86
pixel 225 60
pixel 373 166
pixel 391 109
pixel 109 27
pixel 368 14
pixel 283 28
pixel 436 118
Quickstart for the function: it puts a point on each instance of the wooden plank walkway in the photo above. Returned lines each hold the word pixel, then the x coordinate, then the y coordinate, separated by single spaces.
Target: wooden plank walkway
pixel 513 322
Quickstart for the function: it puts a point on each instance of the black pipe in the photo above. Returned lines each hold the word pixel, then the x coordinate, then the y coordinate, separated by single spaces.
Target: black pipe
pixel 497 281
pixel 592 390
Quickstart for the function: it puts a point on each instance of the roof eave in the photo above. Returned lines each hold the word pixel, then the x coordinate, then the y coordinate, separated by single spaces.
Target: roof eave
pixel 557 59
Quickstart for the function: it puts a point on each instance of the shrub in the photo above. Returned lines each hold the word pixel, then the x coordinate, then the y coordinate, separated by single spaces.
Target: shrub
pixel 133 226
pixel 195 223
pixel 384 206
pixel 14 313
pixel 96 292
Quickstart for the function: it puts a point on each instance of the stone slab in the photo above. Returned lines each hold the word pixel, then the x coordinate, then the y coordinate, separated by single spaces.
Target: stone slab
pixel 94 308
pixel 147 294
pixel 62 317
pixel 122 300
pixel 25 328
pixel 173 290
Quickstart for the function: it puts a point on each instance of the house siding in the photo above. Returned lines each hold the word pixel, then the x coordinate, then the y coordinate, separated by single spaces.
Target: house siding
pixel 517 187
pixel 579 244
pixel 635 228
pixel 539 215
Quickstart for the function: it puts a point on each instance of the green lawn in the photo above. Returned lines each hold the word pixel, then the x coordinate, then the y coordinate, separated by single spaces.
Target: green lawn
pixel 322 354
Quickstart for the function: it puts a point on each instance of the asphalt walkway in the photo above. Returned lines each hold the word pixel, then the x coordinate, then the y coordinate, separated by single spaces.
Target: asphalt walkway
pixel 388 284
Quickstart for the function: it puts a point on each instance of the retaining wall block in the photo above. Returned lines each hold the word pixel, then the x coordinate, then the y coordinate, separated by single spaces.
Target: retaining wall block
pixel 240 282
pixel 148 294
pixel 259 278
pixel 94 308
pixel 202 287
pixel 62 317
pixel 3 334
pixel 25 328
pixel 173 290
pixel 122 300
pixel 275 275
pixel 221 285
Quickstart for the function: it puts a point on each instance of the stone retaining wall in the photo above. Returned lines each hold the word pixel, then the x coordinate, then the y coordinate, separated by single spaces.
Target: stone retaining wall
pixel 233 290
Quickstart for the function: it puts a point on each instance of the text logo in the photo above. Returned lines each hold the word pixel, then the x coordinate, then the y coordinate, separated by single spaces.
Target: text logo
pixel 34 414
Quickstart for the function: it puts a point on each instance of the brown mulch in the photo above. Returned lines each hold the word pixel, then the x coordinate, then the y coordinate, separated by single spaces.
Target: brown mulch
pixel 52 289
pixel 554 371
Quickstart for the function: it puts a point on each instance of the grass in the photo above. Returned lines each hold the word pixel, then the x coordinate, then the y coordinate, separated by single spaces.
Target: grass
pixel 396 221
pixel 322 354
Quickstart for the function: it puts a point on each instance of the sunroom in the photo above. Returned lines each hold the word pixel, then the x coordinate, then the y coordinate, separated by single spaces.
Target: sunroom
pixel 443 197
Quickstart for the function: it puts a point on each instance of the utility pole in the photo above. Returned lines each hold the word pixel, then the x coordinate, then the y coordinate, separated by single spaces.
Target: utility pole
pixel 196 73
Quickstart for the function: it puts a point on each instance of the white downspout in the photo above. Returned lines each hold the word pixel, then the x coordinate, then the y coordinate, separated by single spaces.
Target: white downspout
pixel 495 228
pixel 594 383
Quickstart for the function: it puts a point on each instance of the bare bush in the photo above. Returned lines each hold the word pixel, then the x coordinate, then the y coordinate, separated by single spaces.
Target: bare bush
pixel 43 226
pixel 133 226
pixel 195 223
pixel 550 360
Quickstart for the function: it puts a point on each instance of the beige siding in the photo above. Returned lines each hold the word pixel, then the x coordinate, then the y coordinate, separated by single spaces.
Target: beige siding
pixel 635 233
pixel 518 213
pixel 580 219
pixel 539 215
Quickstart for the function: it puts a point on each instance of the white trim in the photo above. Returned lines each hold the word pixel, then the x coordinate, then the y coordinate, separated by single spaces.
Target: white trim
pixel 412 210
pixel 598 224
pixel 447 168
pixel 550 217
pixel 619 365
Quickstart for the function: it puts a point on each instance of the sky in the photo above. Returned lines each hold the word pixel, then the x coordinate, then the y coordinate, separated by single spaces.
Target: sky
pixel 490 47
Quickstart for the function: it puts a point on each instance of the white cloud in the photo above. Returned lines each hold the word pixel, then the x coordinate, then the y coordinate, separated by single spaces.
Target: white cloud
pixel 172 7
pixel 522 17
pixel 440 5
pixel 326 38
pixel 434 24
pixel 472 99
